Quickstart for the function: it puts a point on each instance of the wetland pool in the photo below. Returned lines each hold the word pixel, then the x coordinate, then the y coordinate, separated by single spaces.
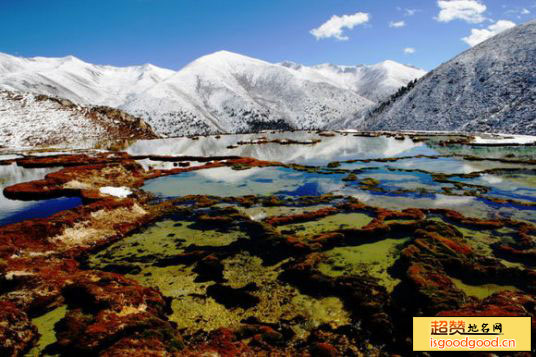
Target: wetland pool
pixel 335 232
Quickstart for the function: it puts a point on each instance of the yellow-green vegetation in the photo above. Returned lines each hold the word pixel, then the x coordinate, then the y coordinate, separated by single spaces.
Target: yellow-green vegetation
pixel 45 326
pixel 482 239
pixel 369 181
pixel 194 310
pixel 482 291
pixel 372 259
pixel 258 213
pixel 165 238
pixel 279 300
pixel 327 224
pixel 522 179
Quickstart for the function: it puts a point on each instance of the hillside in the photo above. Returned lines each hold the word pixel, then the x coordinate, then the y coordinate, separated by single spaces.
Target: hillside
pixel 489 88
pixel 220 92
pixel 28 120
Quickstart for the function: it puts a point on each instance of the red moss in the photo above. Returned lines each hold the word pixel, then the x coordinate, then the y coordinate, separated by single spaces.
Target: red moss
pixel 455 246
pixel 303 217
pixel 33 235
pixel 17 334
pixel 424 277
pixel 468 221
pixel 69 160
pixel 506 303
pixel 136 347
pixel 322 349
pixel 222 342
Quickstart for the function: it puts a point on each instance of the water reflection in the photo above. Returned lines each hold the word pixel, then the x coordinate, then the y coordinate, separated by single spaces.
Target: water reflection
pixel 225 181
pixel 12 211
pixel 336 148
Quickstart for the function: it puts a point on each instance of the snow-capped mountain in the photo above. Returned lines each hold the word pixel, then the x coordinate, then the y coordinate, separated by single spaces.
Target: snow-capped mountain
pixel 81 82
pixel 489 88
pixel 28 120
pixel 226 92
pixel 375 82
pixel 220 92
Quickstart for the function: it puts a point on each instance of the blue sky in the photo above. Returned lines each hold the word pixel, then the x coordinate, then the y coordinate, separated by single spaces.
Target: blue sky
pixel 171 33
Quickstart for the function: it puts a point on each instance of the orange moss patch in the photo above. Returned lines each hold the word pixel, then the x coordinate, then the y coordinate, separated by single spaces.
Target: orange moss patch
pixel 35 235
pixel 424 277
pixel 302 217
pixel 473 222
pixel 16 331
pixel 505 303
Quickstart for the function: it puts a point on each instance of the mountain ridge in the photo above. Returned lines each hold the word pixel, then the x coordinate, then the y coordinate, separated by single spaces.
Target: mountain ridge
pixel 219 92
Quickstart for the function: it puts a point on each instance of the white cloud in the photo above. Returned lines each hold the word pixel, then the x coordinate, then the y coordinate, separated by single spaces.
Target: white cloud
pixel 519 12
pixel 397 24
pixel 334 27
pixel 480 35
pixel 409 50
pixel 408 12
pixel 467 10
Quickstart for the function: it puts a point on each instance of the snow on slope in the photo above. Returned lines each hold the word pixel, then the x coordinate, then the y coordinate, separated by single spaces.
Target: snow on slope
pixel 221 92
pixel 375 82
pixel 234 93
pixel 81 82
pixel 28 120
pixel 489 88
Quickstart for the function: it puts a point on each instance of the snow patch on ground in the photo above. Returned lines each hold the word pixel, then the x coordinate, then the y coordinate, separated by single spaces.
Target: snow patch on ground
pixel 121 192
pixel 505 139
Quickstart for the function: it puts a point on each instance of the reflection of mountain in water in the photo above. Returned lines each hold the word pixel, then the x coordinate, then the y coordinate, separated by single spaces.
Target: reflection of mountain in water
pixel 519 152
pixel 336 148
pixel 14 211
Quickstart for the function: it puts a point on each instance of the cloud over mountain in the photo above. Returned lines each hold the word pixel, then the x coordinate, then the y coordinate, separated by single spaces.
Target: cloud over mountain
pixel 480 35
pixel 467 10
pixel 335 26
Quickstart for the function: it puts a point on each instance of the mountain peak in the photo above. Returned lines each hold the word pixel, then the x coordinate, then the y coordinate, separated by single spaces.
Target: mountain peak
pixel 488 88
pixel 221 57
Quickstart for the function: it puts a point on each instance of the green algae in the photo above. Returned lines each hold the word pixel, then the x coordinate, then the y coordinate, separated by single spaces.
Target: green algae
pixel 399 220
pixel 369 181
pixel 522 180
pixel 279 300
pixel 45 326
pixel 373 259
pixel 164 238
pixel 258 213
pixel 327 224
pixel 328 310
pixel 193 309
pixel 481 240
pixel 482 291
